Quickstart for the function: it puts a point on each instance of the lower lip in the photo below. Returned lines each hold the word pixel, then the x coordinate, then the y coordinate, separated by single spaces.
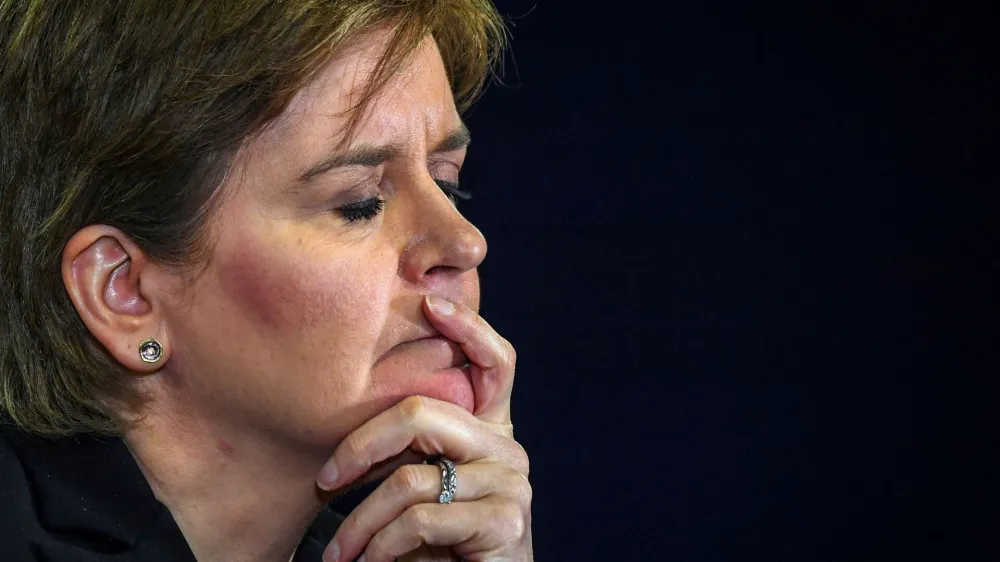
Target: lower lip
pixel 413 369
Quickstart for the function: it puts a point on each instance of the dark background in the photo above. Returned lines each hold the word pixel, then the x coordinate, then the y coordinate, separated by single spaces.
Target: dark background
pixel 746 253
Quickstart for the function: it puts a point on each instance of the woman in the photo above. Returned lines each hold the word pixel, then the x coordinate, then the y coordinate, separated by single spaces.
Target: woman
pixel 235 284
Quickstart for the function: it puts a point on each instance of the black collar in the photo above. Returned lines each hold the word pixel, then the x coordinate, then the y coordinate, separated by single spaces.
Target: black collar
pixel 85 499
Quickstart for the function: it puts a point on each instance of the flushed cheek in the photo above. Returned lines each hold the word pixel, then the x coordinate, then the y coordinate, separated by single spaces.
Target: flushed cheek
pixel 292 297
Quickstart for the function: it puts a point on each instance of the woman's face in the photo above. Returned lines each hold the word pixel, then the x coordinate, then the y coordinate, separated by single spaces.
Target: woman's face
pixel 298 326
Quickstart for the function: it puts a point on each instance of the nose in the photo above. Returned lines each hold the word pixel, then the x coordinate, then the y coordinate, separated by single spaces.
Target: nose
pixel 442 244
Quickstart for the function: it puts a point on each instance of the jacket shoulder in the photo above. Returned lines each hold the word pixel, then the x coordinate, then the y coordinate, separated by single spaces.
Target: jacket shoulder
pixel 19 524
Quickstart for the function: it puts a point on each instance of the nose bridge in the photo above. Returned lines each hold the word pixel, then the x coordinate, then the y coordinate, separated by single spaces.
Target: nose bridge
pixel 440 239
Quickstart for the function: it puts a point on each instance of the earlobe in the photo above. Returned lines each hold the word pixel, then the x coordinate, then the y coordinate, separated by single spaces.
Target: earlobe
pixel 101 269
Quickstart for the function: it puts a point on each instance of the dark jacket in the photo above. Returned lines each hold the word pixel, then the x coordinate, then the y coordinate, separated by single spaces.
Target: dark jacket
pixel 86 500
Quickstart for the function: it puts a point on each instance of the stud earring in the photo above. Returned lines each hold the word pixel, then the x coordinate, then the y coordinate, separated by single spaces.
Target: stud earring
pixel 150 351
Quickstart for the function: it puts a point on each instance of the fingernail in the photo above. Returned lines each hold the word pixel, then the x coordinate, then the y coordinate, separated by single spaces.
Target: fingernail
pixel 332 553
pixel 327 476
pixel 440 306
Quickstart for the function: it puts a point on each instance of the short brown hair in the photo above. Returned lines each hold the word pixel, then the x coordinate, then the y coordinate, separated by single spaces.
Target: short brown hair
pixel 129 114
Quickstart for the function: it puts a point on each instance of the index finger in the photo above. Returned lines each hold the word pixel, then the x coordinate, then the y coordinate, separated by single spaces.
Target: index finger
pixel 422 424
pixel 492 358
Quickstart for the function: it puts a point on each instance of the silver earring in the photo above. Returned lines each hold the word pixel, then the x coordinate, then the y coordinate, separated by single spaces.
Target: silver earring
pixel 150 351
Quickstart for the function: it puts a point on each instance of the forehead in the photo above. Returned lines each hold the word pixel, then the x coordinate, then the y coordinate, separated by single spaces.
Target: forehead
pixel 419 93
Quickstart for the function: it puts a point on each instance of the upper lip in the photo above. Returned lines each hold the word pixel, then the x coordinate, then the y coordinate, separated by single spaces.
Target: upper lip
pixel 419 332
pixel 416 328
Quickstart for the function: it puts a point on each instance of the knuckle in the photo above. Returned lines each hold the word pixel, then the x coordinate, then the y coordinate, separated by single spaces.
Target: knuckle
pixel 521 488
pixel 416 519
pixel 355 445
pixel 480 325
pixel 408 480
pixel 521 462
pixel 412 408
pixel 350 526
pixel 509 521
pixel 510 354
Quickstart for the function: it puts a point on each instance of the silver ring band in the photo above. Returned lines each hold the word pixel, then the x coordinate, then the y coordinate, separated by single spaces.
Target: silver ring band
pixel 449 480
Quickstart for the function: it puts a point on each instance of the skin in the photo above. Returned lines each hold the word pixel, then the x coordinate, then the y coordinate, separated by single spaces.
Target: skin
pixel 292 350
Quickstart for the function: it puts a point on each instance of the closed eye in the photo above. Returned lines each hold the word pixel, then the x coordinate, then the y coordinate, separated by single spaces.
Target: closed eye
pixel 454 192
pixel 368 209
pixel 362 211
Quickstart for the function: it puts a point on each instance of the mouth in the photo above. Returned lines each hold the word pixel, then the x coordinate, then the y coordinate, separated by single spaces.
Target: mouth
pixel 436 351
pixel 425 363
pixel 430 365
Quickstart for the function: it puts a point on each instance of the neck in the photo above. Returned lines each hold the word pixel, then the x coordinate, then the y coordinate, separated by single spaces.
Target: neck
pixel 236 495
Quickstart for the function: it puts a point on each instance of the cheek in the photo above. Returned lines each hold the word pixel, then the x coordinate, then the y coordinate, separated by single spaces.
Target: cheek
pixel 291 295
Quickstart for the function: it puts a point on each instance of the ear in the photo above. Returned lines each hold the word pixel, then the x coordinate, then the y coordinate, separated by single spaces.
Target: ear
pixel 103 271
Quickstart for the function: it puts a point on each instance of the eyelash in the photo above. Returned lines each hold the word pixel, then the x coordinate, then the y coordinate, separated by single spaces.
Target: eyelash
pixel 368 209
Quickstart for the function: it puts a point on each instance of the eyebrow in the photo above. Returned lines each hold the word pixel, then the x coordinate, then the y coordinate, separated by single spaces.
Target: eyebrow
pixel 371 156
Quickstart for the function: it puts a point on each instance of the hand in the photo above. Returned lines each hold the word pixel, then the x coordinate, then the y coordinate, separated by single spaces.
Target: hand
pixel 490 518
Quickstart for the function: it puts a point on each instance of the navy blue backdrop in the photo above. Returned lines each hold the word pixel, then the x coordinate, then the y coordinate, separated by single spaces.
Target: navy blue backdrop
pixel 745 257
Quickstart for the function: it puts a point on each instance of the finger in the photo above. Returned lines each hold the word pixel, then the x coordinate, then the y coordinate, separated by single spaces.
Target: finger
pixel 423 424
pixel 491 357
pixel 415 484
pixel 480 529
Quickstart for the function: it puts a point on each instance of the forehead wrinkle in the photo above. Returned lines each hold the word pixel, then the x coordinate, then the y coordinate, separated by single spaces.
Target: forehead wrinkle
pixel 318 114
pixel 398 91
